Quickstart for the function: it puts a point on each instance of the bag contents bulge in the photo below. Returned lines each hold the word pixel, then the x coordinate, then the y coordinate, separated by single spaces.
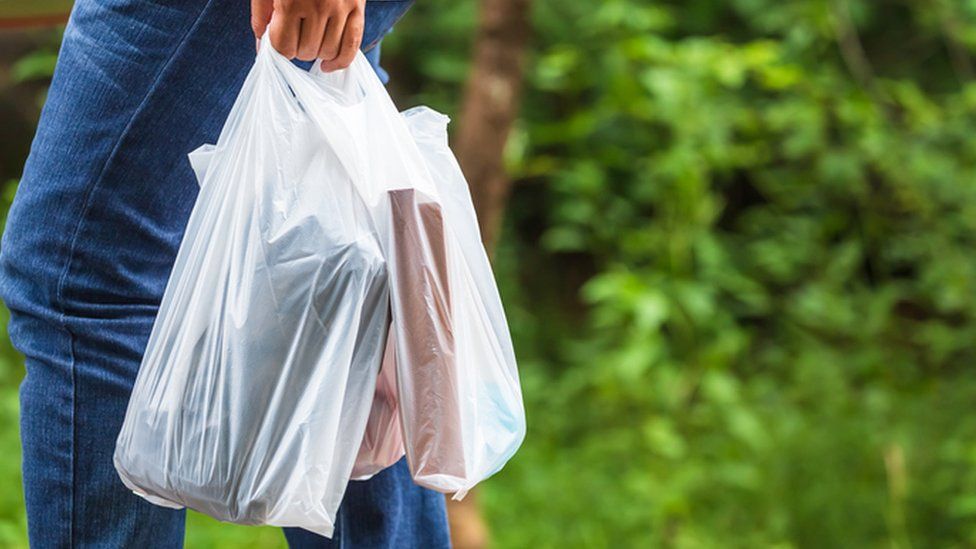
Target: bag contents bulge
pixel 331 308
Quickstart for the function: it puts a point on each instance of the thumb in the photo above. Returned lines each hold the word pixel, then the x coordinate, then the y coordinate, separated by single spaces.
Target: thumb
pixel 260 16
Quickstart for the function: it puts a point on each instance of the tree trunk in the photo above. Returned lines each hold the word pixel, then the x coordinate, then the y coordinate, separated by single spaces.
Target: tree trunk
pixel 490 106
pixel 488 110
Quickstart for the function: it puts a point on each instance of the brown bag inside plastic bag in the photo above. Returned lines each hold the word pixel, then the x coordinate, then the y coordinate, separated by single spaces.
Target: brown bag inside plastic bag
pixel 432 430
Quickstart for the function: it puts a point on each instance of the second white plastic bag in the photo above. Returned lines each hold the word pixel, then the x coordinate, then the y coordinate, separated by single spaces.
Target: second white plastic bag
pixel 459 400
pixel 327 225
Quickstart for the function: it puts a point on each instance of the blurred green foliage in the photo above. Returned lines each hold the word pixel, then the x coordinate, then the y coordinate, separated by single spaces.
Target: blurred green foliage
pixel 11 9
pixel 740 268
pixel 740 265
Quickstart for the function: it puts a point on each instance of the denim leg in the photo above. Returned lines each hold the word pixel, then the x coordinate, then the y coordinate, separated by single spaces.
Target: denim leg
pixel 387 511
pixel 69 417
pixel 90 240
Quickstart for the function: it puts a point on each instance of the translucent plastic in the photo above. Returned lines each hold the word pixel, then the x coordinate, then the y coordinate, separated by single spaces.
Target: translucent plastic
pixel 328 229
pixel 482 392
pixel 383 441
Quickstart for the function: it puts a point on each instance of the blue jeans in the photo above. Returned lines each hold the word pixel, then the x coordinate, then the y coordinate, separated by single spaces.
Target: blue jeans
pixel 90 241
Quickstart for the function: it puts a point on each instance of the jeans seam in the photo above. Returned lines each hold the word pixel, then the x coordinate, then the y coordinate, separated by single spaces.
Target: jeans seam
pixel 111 156
pixel 74 437
pixel 69 259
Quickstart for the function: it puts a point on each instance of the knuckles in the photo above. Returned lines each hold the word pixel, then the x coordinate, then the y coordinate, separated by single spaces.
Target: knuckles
pixel 286 6
pixel 353 39
pixel 306 8
pixel 338 55
pixel 329 54
pixel 348 6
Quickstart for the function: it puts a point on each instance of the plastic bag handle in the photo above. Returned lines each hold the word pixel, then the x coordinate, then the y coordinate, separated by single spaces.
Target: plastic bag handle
pixel 359 71
pixel 326 92
pixel 326 97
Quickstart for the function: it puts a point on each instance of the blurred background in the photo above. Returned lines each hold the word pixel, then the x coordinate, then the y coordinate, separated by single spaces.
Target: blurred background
pixel 737 244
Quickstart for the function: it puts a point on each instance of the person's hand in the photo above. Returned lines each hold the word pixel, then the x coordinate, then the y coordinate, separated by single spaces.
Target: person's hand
pixel 330 30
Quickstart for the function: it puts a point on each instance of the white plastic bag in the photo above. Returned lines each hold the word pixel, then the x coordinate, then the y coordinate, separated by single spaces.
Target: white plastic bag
pixel 260 375
pixel 257 381
pixel 460 403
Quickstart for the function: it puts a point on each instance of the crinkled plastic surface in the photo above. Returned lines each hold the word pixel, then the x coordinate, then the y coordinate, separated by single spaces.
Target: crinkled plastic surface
pixel 327 226
pixel 482 392
pixel 383 441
